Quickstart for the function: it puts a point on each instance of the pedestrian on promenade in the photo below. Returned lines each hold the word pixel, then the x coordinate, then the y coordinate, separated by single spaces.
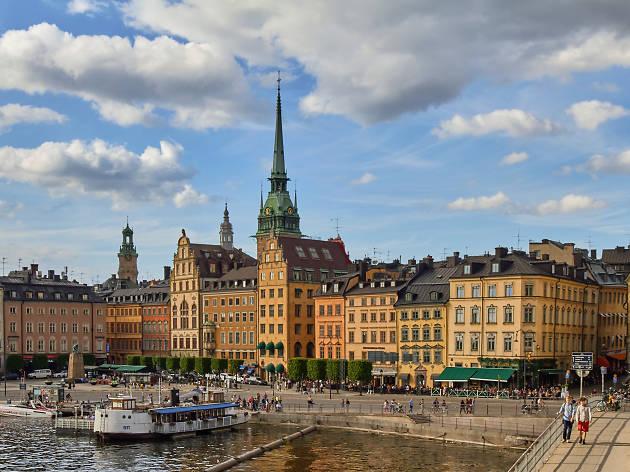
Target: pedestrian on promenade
pixel 462 407
pixel 567 411
pixel 411 406
pixel 583 416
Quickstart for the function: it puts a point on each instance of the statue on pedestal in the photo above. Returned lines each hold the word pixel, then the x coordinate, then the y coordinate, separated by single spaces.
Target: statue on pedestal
pixel 76 369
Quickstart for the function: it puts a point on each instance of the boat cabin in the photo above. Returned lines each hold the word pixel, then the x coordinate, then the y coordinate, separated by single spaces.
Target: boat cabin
pixel 180 414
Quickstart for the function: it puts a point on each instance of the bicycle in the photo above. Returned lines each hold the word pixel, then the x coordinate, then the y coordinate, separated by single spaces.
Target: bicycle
pixel 602 406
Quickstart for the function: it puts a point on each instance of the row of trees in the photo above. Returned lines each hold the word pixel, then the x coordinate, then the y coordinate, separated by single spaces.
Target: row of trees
pixel 16 363
pixel 185 365
pixel 335 370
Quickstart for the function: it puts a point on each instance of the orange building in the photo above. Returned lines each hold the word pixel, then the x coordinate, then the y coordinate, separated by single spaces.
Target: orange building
pixel 230 309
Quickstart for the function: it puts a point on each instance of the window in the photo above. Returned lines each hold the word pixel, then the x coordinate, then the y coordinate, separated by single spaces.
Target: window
pixel 415 334
pixel 491 341
pixel 326 254
pixel 529 342
pixel 426 315
pixel 437 356
pixel 426 333
pixel 492 290
pixel 460 291
pixel 508 290
pixel 476 291
pixel 300 251
pixel 437 333
pixel 492 314
pixel 507 343
pixel 474 342
pixel 426 356
pixel 467 270
pixel 437 314
pixel 459 315
pixel 529 290
pixel 496 267
pixel 459 341
pixel 313 253
pixel 351 336
pixel 474 315
pixel 528 314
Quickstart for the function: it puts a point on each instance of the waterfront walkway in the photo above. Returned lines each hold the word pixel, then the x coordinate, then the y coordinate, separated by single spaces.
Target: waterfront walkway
pixel 607 447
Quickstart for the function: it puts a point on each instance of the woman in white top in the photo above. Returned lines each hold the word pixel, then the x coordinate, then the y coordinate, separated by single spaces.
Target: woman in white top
pixel 583 416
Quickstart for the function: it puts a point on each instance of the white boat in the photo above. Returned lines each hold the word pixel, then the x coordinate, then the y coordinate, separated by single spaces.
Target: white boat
pixel 26 410
pixel 123 419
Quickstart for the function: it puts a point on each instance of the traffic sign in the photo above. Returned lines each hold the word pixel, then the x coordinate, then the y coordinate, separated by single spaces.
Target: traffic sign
pixel 22 386
pixel 604 369
pixel 582 360
pixel 583 373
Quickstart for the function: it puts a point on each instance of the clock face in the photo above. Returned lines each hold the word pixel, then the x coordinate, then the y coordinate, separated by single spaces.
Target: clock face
pixel 290 210
pixel 267 211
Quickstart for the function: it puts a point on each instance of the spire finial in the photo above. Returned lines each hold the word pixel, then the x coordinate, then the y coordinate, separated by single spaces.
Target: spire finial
pixel 295 196
pixel 278 80
pixel 278 148
pixel 226 213
pixel 261 196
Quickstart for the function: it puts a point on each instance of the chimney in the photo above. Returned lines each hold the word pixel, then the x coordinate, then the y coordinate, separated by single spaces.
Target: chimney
pixel 167 272
pixel 34 268
pixel 363 267
pixel 500 251
pixel 593 254
pixel 452 261
pixel 411 262
pixel 428 261
pixel 51 273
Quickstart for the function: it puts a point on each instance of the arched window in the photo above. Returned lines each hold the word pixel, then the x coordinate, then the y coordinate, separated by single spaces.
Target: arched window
pixel 310 350
pixel 298 349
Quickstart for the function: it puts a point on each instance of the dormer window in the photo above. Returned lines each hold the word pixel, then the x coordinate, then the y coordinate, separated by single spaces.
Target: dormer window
pixel 313 252
pixel 324 287
pixel 372 284
pixel 326 253
pixel 336 288
pixel 382 284
pixel 300 251
pixel 467 270
pixel 408 297
pixel 496 267
pixel 434 296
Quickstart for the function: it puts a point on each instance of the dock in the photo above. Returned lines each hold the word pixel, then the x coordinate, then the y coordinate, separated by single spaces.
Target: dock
pixel 74 424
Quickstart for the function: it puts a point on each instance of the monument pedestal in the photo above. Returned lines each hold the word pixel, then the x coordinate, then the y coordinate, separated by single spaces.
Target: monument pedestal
pixel 76 369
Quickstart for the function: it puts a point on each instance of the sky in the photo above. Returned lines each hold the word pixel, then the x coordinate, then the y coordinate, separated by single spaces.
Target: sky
pixel 414 127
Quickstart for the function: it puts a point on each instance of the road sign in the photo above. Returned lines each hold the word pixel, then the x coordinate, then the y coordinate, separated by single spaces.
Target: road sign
pixel 604 370
pixel 582 360
pixel 583 373
pixel 22 386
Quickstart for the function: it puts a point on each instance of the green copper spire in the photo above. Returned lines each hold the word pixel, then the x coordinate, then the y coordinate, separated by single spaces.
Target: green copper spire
pixel 278 169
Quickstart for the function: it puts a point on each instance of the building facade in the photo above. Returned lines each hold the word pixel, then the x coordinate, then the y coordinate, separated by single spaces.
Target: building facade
pixel 230 313
pixel 48 315
pixel 156 320
pixel 124 325
pixel 127 260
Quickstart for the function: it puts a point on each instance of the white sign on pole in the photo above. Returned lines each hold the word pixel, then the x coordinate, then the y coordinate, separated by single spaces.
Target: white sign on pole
pixel 604 370
pixel 582 360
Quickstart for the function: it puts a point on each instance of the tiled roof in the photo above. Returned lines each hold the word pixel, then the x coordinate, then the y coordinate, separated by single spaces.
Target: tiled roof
pixel 429 280
pixel 315 254
pixel 206 254
pixel 49 287
pixel 619 255
pixel 242 273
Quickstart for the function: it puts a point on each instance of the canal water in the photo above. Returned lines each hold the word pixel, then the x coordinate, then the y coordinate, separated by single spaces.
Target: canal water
pixel 33 445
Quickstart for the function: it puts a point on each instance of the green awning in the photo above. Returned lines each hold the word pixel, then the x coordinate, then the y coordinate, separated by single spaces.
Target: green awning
pixel 262 345
pixel 127 369
pixel 551 371
pixel 271 346
pixel 456 374
pixel 270 367
pixel 279 368
pixel 489 374
pixel 279 346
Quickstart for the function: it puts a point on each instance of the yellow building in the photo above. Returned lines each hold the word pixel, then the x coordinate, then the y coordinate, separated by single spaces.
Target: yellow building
pixel 507 310
pixel 421 311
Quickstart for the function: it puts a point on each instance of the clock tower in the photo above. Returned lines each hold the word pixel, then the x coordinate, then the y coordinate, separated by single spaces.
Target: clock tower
pixel 128 260
pixel 278 215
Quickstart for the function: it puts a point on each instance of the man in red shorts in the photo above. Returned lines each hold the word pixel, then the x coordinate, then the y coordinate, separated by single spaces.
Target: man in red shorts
pixel 583 417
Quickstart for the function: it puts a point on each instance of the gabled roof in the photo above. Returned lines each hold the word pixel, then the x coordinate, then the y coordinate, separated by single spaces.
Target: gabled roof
pixel 429 280
pixel 315 255
pixel 207 254
pixel 619 255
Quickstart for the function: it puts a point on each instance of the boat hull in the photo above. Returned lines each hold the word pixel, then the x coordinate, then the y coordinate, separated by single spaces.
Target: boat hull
pixel 25 412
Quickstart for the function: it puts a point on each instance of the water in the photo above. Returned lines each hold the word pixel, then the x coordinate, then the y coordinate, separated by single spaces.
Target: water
pixel 33 445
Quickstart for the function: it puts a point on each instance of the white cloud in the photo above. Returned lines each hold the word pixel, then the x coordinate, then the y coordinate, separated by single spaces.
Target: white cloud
pixel 616 164
pixel 198 85
pixel 365 179
pixel 82 7
pixel 14 113
pixel 373 61
pixel 592 113
pixel 511 122
pixel 9 209
pixel 189 196
pixel 607 87
pixel 514 158
pixel 570 203
pixel 491 202
pixel 101 169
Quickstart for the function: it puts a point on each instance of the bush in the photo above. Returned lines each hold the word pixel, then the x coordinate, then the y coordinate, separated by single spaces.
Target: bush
pixel 159 362
pixel 360 371
pixel 134 360
pixel 233 365
pixel 40 361
pixel 203 365
pixel 88 359
pixel 219 365
pixel 172 363
pixel 15 363
pixel 297 368
pixel 186 365
pixel 336 369
pixel 316 369
pixel 147 361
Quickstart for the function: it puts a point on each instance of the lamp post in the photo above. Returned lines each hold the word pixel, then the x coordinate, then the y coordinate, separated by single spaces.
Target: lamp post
pixel 382 381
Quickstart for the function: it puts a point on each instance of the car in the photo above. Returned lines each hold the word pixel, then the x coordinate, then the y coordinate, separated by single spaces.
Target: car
pixel 60 375
pixel 40 374
pixel 255 381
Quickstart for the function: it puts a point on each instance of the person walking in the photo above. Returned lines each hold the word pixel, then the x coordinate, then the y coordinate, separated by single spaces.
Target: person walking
pixel 567 411
pixel 411 406
pixel 583 416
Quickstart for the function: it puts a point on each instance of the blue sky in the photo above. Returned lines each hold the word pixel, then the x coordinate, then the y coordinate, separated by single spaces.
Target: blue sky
pixel 398 121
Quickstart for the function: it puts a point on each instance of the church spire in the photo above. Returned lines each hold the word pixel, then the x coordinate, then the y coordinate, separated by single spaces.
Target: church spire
pixel 278 168
pixel 226 233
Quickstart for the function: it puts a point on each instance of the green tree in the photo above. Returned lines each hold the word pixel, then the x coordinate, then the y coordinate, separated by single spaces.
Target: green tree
pixel 162 362
pixel 15 363
pixel 360 371
pixel 219 365
pixel 233 365
pixel 336 369
pixel 172 363
pixel 316 369
pixel 203 365
pixel 40 361
pixel 297 368
pixel 88 359
pixel 134 360
pixel 187 364
pixel 147 361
